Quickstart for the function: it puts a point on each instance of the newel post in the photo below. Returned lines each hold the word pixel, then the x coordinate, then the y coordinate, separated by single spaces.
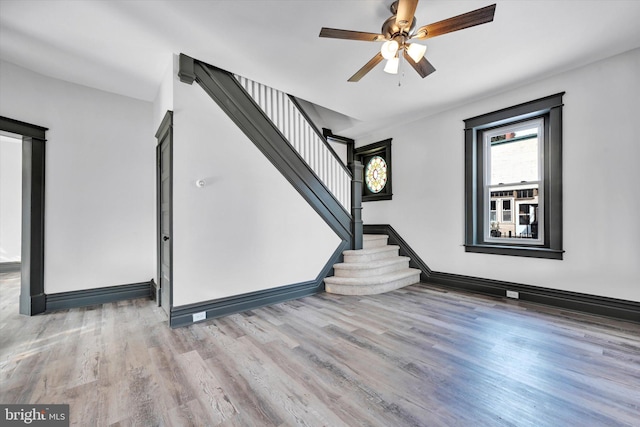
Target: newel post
pixel 356 204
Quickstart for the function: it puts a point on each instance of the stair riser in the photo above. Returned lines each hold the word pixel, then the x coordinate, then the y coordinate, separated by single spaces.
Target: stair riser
pixel 372 289
pixel 375 242
pixel 371 257
pixel 369 272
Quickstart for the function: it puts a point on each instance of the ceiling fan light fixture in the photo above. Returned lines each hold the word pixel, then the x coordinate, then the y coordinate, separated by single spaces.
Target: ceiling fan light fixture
pixel 416 51
pixel 392 65
pixel 389 49
pixel 399 29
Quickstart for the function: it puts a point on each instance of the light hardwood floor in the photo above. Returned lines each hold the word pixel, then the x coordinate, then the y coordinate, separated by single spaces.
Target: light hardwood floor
pixel 418 356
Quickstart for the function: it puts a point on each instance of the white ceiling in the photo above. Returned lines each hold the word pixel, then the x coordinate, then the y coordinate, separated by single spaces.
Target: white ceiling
pixel 125 47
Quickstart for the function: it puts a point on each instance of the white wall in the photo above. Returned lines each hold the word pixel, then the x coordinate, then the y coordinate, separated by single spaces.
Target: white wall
pixel 601 150
pixel 100 179
pixel 10 198
pixel 164 98
pixel 247 229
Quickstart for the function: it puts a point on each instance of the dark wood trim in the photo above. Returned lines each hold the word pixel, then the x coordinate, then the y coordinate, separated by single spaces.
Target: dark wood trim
pixel 165 125
pixel 350 143
pixel 32 296
pixel 183 315
pixel 405 249
pixel 10 267
pixel 356 204
pixel 185 69
pixel 382 148
pixel 553 190
pixel 549 108
pixel 592 304
pixel 225 90
pixel 165 131
pixel 22 128
pixel 154 290
pixel 85 297
pixel 522 111
pixel 327 133
pixel 523 251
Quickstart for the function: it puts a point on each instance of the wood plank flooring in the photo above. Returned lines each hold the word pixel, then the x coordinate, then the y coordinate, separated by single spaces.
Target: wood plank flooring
pixel 418 356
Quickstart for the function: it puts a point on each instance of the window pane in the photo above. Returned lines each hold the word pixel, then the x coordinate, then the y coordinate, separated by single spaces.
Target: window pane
pixel 514 157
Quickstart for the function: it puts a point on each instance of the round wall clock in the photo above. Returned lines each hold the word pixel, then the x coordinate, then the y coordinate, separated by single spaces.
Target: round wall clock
pixel 375 174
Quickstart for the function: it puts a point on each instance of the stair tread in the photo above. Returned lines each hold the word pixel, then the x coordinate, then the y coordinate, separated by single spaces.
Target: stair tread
pixel 373 280
pixel 372 264
pixel 369 251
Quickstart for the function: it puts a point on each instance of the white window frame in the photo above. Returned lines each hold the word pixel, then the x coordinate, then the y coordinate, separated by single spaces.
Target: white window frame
pixel 489 187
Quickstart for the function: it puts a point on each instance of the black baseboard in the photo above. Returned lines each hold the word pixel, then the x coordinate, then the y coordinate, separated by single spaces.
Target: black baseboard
pixel 85 297
pixel 586 303
pixel 10 267
pixel 154 291
pixel 183 315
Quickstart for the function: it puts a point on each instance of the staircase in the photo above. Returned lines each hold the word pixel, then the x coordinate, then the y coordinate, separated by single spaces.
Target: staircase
pixel 375 269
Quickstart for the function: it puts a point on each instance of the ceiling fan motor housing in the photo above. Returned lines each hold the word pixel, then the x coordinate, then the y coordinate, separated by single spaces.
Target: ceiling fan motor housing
pixel 391 30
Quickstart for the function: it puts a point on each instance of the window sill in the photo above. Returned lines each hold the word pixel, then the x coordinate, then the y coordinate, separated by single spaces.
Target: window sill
pixel 531 252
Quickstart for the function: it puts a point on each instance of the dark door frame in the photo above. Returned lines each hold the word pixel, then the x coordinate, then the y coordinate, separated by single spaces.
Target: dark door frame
pixel 32 296
pixel 164 133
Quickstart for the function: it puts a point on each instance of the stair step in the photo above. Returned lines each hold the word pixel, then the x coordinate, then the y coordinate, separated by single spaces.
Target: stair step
pixel 371 268
pixel 374 240
pixel 371 254
pixel 372 285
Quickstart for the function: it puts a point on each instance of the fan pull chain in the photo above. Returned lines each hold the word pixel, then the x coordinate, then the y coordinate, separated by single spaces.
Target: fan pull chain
pixel 400 69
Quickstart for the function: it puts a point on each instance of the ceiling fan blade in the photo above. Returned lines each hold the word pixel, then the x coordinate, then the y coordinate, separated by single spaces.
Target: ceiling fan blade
pixel 460 22
pixel 367 67
pixel 350 35
pixel 406 10
pixel 423 67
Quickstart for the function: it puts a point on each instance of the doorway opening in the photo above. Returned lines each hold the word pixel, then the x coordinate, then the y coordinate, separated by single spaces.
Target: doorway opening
pixel 32 296
pixel 10 202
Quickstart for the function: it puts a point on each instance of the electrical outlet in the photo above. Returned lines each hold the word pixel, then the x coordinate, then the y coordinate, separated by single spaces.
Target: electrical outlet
pixel 513 294
pixel 199 316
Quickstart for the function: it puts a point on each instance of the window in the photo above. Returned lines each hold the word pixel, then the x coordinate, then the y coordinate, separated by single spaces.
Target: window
pixel 376 159
pixel 513 159
pixel 375 174
pixel 506 211
pixel 513 162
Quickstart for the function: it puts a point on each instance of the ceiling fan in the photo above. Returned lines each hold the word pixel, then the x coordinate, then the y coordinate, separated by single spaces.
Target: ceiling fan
pixel 399 29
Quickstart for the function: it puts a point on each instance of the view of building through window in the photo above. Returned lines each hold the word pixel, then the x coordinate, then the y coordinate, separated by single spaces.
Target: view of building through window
pixel 513 158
